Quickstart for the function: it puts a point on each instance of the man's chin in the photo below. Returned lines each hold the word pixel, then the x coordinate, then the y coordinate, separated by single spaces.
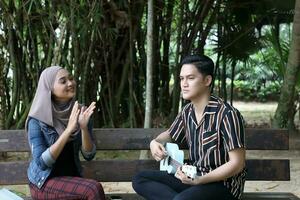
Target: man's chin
pixel 186 98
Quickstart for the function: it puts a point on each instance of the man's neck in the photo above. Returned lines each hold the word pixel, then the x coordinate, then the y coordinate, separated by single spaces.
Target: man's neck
pixel 201 102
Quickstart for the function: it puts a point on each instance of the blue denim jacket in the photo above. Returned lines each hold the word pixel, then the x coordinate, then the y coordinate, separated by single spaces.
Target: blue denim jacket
pixel 41 136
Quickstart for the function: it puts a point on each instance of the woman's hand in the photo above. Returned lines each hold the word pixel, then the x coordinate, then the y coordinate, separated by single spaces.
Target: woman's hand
pixel 158 151
pixel 85 114
pixel 72 124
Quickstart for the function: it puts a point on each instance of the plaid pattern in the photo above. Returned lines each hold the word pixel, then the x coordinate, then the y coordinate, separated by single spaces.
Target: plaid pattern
pixel 68 188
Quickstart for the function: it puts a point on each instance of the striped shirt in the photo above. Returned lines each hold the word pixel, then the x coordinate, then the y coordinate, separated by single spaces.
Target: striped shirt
pixel 220 130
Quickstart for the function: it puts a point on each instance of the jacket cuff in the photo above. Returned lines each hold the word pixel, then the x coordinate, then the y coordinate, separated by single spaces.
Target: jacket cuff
pixel 89 154
pixel 47 158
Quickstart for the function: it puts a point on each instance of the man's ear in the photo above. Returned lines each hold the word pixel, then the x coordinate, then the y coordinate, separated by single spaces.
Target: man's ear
pixel 208 80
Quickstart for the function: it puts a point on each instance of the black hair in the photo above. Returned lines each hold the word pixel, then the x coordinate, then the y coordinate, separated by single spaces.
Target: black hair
pixel 203 63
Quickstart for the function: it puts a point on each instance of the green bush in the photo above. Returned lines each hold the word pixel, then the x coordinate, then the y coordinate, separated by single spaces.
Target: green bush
pixel 253 91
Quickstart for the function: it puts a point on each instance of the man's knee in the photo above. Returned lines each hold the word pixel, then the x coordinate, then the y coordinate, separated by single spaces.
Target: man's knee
pixel 136 181
pixel 181 197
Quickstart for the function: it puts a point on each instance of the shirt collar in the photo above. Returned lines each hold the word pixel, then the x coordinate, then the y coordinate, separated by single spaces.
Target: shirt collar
pixel 212 106
pixel 210 109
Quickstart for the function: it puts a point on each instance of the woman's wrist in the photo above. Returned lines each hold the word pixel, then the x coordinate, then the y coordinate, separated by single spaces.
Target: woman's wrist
pixel 84 128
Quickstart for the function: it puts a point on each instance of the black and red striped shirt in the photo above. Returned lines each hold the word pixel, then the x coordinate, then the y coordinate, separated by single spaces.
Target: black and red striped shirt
pixel 220 130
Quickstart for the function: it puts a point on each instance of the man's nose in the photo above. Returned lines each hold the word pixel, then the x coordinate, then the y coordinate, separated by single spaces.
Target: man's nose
pixel 184 82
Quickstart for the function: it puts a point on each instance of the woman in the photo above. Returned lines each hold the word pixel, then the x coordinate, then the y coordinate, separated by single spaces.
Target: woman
pixel 58 128
pixel 214 132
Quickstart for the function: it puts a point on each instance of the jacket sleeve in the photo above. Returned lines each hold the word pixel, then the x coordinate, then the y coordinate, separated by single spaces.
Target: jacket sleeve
pixel 38 145
pixel 89 155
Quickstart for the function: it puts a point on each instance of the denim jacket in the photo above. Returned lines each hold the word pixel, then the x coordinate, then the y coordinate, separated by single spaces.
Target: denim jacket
pixel 41 136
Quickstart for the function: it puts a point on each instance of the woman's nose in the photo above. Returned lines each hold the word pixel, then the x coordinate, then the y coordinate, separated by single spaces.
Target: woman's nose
pixel 70 83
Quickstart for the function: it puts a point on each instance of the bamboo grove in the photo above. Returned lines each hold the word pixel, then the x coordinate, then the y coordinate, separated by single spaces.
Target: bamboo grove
pixel 103 43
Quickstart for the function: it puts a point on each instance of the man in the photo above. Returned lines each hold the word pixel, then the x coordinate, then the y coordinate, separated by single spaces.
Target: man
pixel 214 133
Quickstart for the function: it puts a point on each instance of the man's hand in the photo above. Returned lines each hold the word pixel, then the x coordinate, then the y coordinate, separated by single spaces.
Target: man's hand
pixel 185 179
pixel 158 151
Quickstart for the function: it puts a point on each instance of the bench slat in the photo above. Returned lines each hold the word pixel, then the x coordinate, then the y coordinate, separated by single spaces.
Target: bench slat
pixel 122 170
pixel 139 138
pixel 246 196
pixel 269 196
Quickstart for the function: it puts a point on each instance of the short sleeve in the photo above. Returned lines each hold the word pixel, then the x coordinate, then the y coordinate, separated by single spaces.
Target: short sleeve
pixel 176 130
pixel 233 131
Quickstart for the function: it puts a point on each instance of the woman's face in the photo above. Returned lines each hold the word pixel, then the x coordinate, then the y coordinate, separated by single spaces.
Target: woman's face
pixel 193 83
pixel 64 88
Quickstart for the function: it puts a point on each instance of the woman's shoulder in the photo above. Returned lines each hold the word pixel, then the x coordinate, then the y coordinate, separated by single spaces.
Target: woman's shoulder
pixel 35 122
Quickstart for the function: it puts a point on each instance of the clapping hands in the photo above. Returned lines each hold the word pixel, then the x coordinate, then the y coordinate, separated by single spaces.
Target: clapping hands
pixel 85 114
pixel 80 116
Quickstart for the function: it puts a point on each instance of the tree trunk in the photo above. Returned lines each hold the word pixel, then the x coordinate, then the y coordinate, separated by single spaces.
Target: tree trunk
pixel 233 64
pixel 164 97
pixel 150 53
pixel 176 88
pixel 149 72
pixel 224 88
pixel 2 96
pixel 284 117
pixel 15 95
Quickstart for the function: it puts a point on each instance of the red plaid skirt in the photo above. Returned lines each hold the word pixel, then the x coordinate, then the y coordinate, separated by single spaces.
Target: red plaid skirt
pixel 68 188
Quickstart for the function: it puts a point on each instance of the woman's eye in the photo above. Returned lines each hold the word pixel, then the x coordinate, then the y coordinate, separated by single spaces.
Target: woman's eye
pixel 63 81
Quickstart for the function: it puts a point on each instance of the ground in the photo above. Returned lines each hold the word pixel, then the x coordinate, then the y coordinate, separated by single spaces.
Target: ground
pixel 255 115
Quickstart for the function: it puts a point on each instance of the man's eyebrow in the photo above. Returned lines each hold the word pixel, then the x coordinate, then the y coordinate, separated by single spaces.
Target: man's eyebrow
pixel 187 75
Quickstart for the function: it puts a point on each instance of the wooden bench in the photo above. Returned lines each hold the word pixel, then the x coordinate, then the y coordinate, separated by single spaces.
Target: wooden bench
pixel 112 170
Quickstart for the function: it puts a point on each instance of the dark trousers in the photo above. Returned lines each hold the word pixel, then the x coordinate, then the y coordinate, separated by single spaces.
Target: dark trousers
pixel 159 185
pixel 68 188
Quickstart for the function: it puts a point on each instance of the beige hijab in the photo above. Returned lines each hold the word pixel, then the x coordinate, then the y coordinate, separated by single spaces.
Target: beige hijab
pixel 44 108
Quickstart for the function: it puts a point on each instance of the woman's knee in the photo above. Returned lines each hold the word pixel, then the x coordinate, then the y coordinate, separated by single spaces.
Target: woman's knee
pixel 95 190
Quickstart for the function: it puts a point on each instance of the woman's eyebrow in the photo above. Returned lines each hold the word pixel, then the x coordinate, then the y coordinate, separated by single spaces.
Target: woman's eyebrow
pixel 62 78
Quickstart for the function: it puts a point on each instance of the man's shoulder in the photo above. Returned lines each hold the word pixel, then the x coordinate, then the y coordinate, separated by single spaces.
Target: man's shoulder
pixel 225 106
pixel 186 107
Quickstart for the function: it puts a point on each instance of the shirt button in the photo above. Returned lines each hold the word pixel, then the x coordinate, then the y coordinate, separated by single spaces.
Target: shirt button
pixel 39 183
pixel 43 178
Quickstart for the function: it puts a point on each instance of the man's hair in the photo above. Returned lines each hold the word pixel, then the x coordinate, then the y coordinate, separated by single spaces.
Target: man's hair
pixel 203 63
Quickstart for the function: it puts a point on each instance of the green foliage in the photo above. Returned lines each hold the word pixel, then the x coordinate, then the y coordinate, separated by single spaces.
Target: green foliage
pixel 104 44
pixel 247 90
pixel 255 91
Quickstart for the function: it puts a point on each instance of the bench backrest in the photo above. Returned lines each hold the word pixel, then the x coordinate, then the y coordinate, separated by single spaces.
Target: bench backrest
pixel 112 170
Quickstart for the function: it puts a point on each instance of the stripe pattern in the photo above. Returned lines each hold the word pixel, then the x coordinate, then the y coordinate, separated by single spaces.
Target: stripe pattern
pixel 220 130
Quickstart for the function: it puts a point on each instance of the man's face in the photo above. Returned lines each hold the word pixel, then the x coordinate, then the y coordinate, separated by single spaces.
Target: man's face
pixel 193 83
